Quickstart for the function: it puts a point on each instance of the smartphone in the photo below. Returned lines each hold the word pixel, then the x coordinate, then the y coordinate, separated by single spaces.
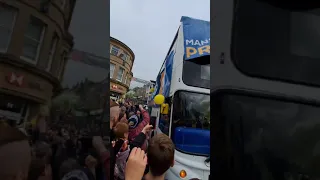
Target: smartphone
pixel 153 120
pixel 86 143
pixel 118 145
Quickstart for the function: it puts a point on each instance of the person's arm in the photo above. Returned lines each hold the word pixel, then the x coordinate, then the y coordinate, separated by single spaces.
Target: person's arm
pixel 136 165
pixel 138 141
pixel 105 158
pixel 98 144
pixel 145 116
pixel 145 121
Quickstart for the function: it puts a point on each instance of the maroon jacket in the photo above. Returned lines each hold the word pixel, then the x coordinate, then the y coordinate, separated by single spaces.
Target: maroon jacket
pixel 146 120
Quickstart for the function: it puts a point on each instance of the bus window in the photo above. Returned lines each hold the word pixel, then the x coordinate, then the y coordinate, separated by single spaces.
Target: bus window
pixel 277 40
pixel 259 138
pixel 165 111
pixel 200 68
pixel 191 117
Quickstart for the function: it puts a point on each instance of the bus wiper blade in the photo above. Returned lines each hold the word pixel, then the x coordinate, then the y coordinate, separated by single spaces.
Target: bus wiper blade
pixel 207 160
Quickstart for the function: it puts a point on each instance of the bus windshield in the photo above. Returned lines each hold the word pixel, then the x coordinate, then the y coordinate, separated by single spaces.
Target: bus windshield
pixel 196 72
pixel 277 40
pixel 260 138
pixel 191 122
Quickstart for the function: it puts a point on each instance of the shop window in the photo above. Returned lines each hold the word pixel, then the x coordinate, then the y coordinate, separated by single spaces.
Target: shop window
pixel 112 67
pixel 120 74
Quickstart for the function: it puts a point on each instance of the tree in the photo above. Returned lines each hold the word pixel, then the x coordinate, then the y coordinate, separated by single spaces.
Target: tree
pixel 65 102
pixel 130 95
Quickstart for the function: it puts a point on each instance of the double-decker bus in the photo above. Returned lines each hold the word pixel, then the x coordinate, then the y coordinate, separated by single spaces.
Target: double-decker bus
pixel 265 96
pixel 184 81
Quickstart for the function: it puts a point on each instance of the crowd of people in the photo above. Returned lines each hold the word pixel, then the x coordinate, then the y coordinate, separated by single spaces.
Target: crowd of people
pixel 61 151
pixel 135 155
pixel 52 152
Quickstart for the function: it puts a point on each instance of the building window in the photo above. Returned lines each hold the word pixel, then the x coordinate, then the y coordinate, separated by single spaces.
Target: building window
pixel 124 56
pixel 115 50
pixel 7 20
pixel 33 38
pixel 112 67
pixel 52 52
pixel 120 74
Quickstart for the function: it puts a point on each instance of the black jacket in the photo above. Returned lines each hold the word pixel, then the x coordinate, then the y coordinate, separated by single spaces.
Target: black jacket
pixel 137 142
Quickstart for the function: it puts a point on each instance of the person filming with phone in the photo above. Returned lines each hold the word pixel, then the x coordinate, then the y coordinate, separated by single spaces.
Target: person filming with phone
pixel 125 135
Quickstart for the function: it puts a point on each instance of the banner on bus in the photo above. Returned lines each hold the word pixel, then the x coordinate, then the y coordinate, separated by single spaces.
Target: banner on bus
pixel 163 81
pixel 196 34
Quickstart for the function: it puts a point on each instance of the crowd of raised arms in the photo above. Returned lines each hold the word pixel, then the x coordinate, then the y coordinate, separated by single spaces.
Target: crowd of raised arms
pixel 61 151
pixel 136 156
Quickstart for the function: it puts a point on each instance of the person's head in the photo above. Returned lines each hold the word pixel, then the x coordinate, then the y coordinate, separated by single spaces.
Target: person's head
pixel 15 154
pixel 68 166
pixel 133 121
pixel 131 114
pixel 114 113
pixel 126 104
pixel 160 154
pixel 121 130
pixel 123 109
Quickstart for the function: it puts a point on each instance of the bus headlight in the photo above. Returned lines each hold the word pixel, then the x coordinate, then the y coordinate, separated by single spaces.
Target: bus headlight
pixel 183 173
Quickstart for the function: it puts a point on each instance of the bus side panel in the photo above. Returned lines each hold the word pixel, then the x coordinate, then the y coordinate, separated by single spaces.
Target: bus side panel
pixel 176 80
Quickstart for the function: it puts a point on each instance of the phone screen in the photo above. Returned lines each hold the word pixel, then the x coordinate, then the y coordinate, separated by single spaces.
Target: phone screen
pixel 86 144
pixel 153 120
pixel 118 145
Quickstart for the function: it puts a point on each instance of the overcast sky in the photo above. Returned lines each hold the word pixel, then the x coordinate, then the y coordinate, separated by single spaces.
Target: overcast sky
pixel 148 28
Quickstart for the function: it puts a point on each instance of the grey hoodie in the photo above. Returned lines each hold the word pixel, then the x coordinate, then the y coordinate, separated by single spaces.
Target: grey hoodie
pixel 120 166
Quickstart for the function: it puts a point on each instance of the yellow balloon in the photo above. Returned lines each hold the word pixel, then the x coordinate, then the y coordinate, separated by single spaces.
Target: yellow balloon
pixel 159 99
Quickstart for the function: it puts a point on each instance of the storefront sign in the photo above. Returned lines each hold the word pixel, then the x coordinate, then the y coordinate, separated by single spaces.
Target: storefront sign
pixel 114 87
pixel 15 79
pixel 19 80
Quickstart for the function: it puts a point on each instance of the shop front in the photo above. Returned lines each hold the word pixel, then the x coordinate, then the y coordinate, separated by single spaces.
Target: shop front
pixel 117 91
pixel 22 94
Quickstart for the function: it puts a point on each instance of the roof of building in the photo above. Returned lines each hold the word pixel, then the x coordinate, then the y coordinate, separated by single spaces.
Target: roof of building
pixel 124 45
